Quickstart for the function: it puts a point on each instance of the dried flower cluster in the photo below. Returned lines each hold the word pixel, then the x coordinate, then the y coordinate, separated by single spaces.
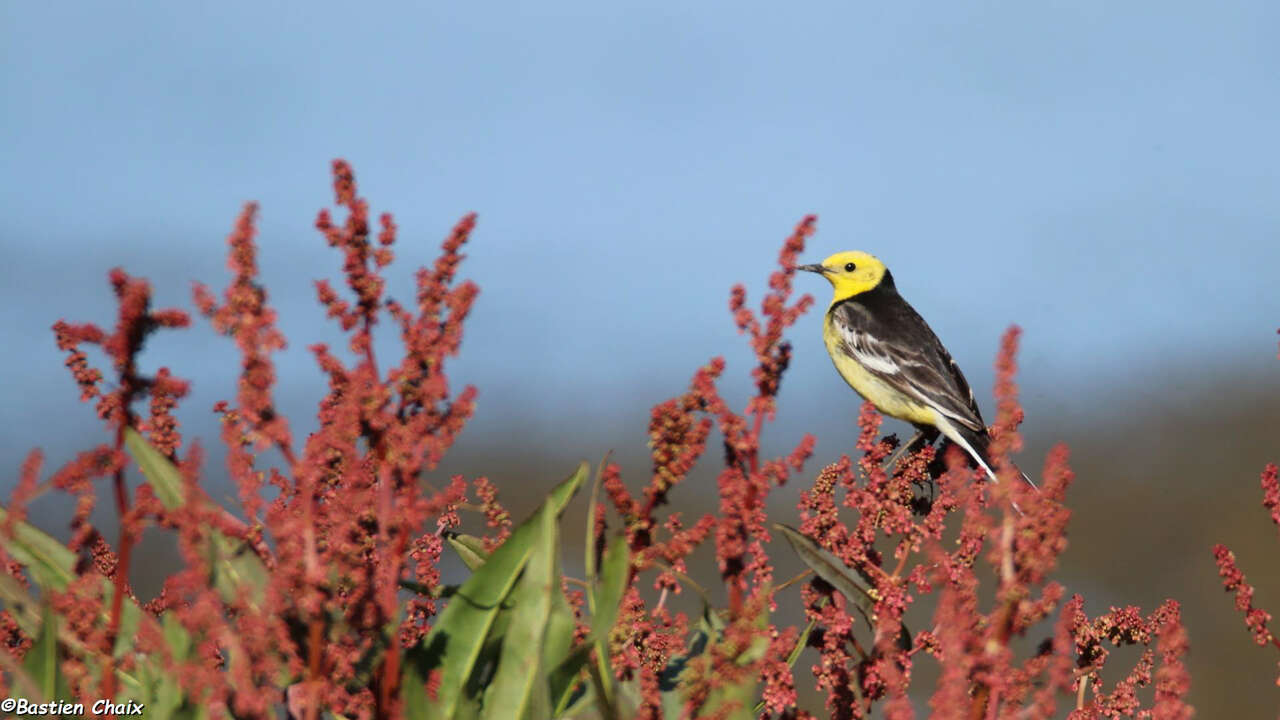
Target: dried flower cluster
pixel 889 525
pixel 678 434
pixel 338 526
pixel 939 564
pixel 1233 580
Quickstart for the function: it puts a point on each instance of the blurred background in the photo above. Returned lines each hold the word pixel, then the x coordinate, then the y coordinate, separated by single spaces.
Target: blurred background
pixel 1104 175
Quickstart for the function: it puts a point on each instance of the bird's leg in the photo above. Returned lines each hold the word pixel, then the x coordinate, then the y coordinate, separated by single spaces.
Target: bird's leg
pixel 891 462
pixel 922 437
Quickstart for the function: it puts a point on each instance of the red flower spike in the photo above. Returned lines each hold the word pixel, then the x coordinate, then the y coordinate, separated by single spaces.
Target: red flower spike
pixel 496 516
pixel 347 520
pixel 1233 581
pixel 1271 491
pixel 1256 619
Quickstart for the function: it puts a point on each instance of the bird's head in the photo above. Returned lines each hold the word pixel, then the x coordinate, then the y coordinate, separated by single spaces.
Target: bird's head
pixel 850 273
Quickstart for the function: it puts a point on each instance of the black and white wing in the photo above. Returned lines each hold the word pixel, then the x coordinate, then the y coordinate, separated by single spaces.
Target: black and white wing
pixel 890 339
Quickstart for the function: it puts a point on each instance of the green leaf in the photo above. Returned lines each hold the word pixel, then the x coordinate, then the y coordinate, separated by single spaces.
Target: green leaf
pixel 233 562
pixel 436 592
pixel 470 548
pixel 236 566
pixel 511 693
pixel 607 709
pixel 192 711
pixel 673 698
pixel 736 700
pixel 801 642
pixel 828 567
pixel 794 655
pixel 589 548
pixel 128 633
pixel 41 661
pixel 161 692
pixel 52 565
pixel 615 572
pixel 458 636
pixel 19 604
pixel 699 639
pixel 487 663
pixel 838 575
pixel 564 678
pixel 165 479
pixel 561 662
pixel 176 637
pixel 709 629
pixel 413 689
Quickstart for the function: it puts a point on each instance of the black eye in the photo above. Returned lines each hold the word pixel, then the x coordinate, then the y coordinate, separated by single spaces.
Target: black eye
pixel 850 267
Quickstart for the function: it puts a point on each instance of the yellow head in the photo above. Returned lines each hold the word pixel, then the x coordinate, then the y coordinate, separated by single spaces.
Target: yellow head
pixel 851 273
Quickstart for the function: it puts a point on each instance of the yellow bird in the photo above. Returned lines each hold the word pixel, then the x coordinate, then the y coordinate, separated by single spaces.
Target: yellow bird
pixel 887 353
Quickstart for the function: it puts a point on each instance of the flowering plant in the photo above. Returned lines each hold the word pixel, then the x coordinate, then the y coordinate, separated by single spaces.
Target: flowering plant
pixel 1256 619
pixel 322 595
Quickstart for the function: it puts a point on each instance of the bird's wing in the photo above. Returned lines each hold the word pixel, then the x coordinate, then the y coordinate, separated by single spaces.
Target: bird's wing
pixel 903 352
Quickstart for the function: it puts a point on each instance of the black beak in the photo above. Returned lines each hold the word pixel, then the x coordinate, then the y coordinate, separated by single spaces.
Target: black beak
pixel 815 268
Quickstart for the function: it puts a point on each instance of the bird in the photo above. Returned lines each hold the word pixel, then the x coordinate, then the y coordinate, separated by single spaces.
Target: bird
pixel 890 356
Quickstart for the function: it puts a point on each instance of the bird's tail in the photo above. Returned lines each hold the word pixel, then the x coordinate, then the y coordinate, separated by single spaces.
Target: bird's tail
pixel 978 446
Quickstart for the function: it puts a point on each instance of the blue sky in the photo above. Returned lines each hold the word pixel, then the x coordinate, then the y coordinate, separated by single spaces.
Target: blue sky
pixel 1103 174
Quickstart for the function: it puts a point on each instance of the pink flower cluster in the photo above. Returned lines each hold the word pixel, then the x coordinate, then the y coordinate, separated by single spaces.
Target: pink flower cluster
pixel 940 565
pixel 1233 579
pixel 929 528
pixel 338 525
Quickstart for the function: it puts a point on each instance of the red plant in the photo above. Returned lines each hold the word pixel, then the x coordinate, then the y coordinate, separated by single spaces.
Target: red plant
pixel 347 520
pixel 1233 580
pixel 341 524
pixel 678 434
pixel 864 661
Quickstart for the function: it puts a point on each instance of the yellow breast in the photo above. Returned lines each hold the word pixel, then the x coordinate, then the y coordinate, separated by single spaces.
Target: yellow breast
pixel 885 397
